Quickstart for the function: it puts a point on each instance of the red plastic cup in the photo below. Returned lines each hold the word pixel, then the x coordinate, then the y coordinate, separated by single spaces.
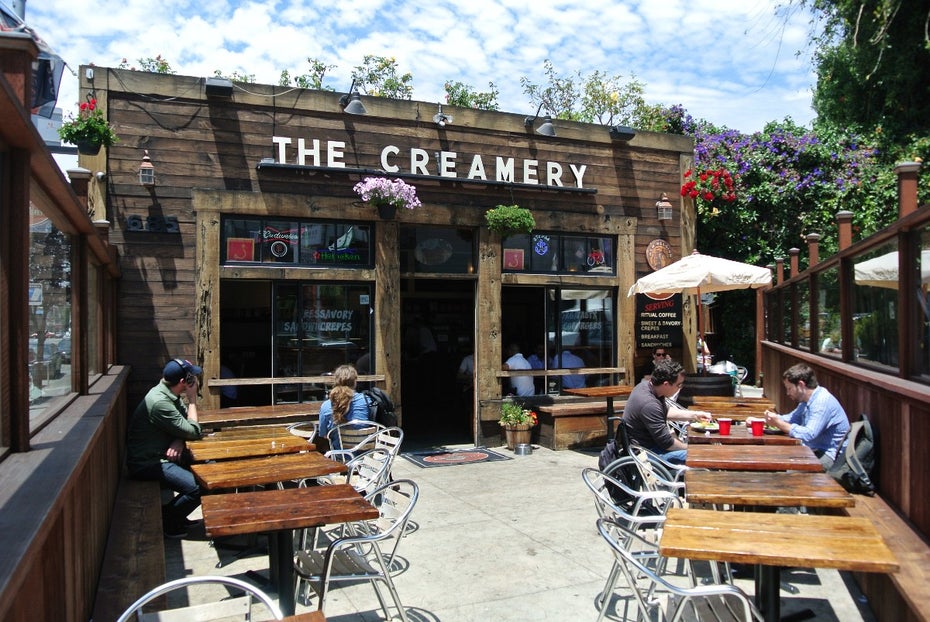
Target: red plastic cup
pixel 724 426
pixel 758 427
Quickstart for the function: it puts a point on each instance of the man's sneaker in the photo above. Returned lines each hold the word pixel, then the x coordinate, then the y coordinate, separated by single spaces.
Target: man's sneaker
pixel 175 531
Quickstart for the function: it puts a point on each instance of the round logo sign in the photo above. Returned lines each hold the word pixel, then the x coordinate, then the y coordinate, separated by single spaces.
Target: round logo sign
pixel 279 248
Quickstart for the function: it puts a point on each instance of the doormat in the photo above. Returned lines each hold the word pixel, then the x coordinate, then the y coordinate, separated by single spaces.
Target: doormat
pixel 448 457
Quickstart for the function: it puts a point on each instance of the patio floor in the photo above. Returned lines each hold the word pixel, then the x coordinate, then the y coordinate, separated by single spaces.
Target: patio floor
pixel 511 540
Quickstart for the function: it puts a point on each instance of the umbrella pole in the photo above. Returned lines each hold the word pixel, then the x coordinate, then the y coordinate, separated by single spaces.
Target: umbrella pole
pixel 700 354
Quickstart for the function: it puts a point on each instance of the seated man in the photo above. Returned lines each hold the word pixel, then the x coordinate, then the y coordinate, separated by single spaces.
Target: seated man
pixel 819 420
pixel 569 360
pixel 646 413
pixel 521 385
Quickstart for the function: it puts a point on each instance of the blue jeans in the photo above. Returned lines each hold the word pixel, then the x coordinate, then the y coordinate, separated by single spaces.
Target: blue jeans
pixel 178 479
pixel 676 456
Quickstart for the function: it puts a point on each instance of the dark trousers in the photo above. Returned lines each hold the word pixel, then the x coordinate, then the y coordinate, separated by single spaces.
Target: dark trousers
pixel 178 479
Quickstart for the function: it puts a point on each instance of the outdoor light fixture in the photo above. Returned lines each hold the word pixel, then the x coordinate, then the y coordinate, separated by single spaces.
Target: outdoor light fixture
pixel 218 87
pixel 546 129
pixel 147 171
pixel 442 119
pixel 351 102
pixel 622 133
pixel 664 207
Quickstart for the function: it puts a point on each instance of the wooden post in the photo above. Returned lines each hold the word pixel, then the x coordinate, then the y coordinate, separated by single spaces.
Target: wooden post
pixel 844 223
pixel 794 252
pixel 780 270
pixel 907 187
pixel 813 249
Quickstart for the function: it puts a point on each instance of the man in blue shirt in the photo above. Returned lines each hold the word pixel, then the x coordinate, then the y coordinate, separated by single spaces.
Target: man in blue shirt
pixel 819 420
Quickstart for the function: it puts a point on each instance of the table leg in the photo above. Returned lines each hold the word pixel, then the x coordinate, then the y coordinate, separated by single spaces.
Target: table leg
pixel 768 598
pixel 282 566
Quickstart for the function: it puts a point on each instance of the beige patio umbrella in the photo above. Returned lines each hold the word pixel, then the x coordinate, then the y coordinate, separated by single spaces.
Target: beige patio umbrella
pixel 702 274
pixel 882 271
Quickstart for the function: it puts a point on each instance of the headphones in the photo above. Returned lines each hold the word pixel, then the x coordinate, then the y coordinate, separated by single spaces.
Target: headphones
pixel 189 378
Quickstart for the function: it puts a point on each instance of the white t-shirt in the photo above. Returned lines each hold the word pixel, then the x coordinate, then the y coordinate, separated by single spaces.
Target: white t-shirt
pixel 522 385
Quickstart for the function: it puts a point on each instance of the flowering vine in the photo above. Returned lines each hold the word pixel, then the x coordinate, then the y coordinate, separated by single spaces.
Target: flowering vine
pixel 709 187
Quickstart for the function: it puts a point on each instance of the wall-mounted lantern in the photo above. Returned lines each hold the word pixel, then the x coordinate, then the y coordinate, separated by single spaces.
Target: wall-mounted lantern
pixel 664 207
pixel 147 171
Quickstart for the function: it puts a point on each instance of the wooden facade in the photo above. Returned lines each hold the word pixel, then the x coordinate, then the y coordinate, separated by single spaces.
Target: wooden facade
pixel 217 158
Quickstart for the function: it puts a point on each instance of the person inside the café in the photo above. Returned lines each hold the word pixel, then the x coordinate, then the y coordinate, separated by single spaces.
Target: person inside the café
pixel 156 446
pixel 569 360
pixel 818 421
pixel 521 385
pixel 646 413
pixel 345 404
pixel 658 354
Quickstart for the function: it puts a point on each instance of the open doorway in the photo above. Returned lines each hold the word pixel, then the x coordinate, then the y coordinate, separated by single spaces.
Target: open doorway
pixel 438 330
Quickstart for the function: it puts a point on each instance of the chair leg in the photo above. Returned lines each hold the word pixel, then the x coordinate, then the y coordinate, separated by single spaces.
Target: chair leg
pixel 608 590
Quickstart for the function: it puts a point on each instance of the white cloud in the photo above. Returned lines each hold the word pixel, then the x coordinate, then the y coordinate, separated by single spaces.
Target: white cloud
pixel 732 62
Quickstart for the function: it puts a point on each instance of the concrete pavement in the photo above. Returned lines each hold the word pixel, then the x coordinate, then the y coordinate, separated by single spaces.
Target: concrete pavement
pixel 508 541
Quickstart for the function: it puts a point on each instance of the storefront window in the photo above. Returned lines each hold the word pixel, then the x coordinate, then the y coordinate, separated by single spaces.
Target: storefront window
pixel 318 327
pixel 548 252
pixel 296 242
pixel 875 306
pixel 561 328
pixel 828 302
pixel 437 249
pixel 49 315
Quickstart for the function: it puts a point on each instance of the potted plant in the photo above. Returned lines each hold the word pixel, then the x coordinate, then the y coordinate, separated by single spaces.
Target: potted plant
pixel 510 220
pixel 89 130
pixel 387 195
pixel 517 422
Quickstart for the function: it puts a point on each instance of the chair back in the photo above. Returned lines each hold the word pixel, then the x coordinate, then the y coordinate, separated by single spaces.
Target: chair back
pixel 369 470
pixel 600 485
pixel 643 574
pixel 636 481
pixel 395 501
pixel 239 606
pixel 304 429
pixel 353 435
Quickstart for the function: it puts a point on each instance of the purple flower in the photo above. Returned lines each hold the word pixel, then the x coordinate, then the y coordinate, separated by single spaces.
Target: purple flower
pixel 381 190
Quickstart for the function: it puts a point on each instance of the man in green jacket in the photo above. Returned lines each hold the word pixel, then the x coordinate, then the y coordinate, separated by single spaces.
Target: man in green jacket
pixel 156 445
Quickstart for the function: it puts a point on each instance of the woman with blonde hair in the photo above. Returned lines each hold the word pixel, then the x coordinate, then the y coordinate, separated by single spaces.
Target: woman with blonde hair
pixel 344 403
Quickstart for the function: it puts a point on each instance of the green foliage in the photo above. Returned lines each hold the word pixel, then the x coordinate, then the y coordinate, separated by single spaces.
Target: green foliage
pixel 311 80
pixel 90 126
pixel 379 76
pixel 513 413
pixel 595 98
pixel 235 76
pixel 152 65
pixel 510 220
pixel 872 60
pixel 461 94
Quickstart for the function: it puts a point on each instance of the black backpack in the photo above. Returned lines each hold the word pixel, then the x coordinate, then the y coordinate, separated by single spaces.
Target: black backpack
pixel 380 407
pixel 855 459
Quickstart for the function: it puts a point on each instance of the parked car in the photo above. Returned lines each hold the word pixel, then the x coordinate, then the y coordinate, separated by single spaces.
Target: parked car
pixel 64 349
pixel 49 366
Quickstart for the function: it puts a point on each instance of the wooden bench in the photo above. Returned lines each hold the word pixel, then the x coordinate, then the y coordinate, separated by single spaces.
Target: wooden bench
pixel 567 425
pixel 902 595
pixel 134 561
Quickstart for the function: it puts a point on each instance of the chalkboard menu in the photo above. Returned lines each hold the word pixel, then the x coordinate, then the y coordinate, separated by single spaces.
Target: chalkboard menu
pixel 658 321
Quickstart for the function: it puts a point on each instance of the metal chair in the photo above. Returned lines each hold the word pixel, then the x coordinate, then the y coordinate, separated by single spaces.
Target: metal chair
pixel 222 609
pixel 367 553
pixel 304 429
pixel 353 435
pixel 704 602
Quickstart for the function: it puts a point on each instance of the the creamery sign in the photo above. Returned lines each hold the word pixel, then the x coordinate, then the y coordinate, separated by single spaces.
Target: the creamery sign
pixel 445 164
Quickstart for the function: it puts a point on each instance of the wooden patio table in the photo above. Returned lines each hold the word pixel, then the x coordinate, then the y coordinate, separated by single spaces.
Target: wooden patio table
pixel 249 431
pixel 225 449
pixel 757 489
pixel 749 402
pixel 609 392
pixel 279 512
pixel 772 541
pixel 739 435
pixel 753 458
pixel 218 418
pixel 269 470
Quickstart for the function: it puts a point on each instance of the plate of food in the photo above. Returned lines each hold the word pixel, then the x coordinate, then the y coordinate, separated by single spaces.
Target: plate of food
pixel 770 429
pixel 705 426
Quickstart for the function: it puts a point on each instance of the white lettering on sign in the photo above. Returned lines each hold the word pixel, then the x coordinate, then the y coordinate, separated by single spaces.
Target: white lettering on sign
pixel 331 153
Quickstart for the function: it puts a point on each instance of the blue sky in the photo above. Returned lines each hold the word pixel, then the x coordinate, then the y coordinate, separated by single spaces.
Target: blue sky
pixel 733 62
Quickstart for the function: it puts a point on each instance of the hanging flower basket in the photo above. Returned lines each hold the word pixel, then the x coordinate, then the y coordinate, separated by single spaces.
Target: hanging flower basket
pixel 387 195
pixel 89 130
pixel 510 220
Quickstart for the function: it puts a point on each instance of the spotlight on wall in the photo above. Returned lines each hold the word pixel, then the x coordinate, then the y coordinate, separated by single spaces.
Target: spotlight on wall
pixel 442 119
pixel 546 128
pixel 351 102
pixel 219 88
pixel 622 133
pixel 147 171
